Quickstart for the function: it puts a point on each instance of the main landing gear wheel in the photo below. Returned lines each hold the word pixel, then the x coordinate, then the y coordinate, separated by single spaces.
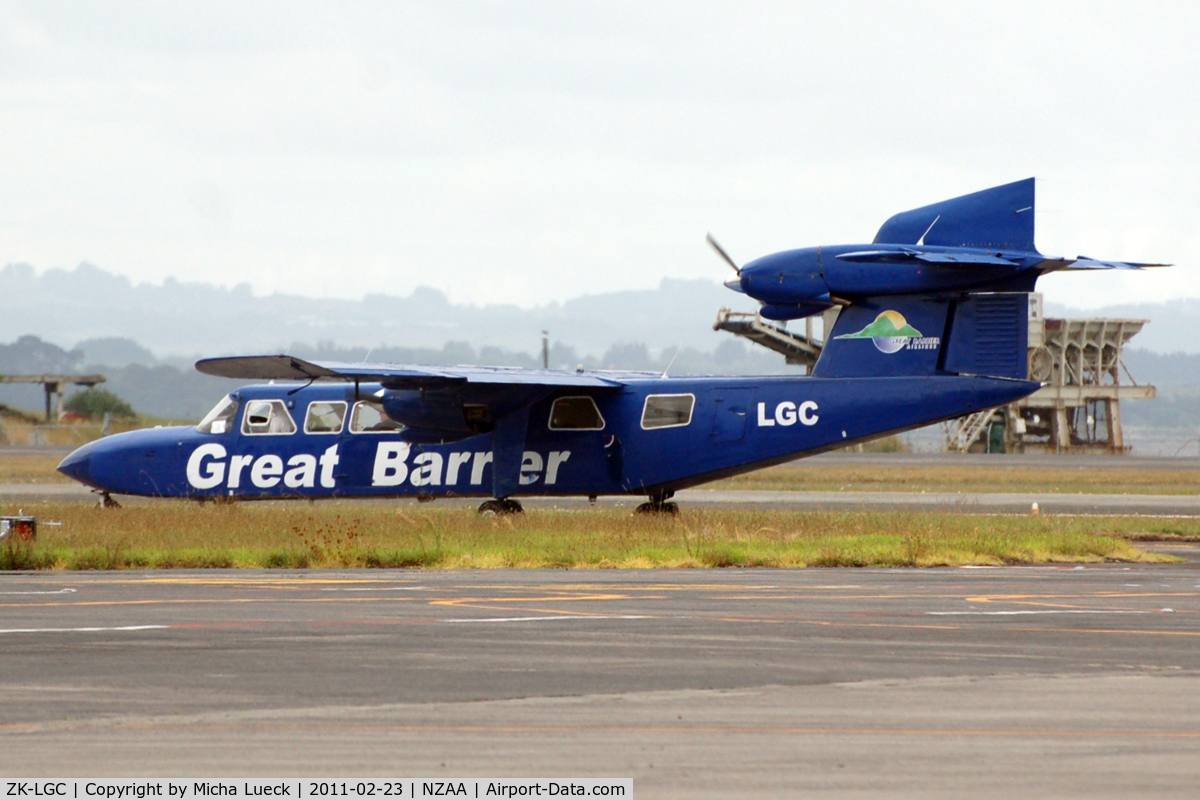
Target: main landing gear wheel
pixel 658 505
pixel 491 508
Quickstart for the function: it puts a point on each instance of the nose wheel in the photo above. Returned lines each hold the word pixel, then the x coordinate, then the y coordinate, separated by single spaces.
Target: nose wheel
pixel 492 508
pixel 105 500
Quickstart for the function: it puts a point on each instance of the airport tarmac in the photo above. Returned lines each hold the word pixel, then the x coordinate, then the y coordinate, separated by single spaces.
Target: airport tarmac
pixel 1021 681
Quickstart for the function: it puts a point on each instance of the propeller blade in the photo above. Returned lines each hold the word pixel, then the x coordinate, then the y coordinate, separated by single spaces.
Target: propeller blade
pixel 721 252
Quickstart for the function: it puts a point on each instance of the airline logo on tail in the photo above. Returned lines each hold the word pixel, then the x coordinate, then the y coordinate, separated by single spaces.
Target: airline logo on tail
pixel 891 333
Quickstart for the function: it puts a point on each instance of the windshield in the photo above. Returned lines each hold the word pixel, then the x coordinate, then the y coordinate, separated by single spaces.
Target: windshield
pixel 217 420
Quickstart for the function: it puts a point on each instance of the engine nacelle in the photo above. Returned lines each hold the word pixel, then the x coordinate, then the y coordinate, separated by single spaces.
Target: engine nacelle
pixel 442 411
pixel 787 279
pixel 801 283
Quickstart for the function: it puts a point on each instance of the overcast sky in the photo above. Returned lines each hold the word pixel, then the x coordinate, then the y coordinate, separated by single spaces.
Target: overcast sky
pixel 528 152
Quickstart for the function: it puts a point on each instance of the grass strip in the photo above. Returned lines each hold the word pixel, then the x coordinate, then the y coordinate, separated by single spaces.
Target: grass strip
pixel 302 535
pixel 824 477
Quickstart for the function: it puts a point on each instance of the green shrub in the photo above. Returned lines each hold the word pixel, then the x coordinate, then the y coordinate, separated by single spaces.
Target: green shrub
pixel 95 403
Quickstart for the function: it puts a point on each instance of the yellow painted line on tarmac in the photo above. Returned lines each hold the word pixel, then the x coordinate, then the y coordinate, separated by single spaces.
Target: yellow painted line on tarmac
pixel 921 626
pixel 454 601
pixel 990 598
pixel 497 604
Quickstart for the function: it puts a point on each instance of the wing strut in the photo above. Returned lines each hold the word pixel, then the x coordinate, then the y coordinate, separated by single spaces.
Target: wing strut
pixel 508 451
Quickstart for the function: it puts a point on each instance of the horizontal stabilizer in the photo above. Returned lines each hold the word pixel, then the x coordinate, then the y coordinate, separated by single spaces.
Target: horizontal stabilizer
pixel 1083 262
pixel 966 259
pixel 282 367
pixel 1000 217
pixel 872 256
pixel 947 259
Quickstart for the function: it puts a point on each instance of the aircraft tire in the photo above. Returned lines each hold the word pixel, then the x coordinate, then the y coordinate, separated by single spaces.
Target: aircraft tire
pixel 492 508
pixel 106 501
pixel 657 508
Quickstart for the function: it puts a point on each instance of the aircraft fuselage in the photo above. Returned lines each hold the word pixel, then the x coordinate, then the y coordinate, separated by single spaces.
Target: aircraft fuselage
pixel 651 435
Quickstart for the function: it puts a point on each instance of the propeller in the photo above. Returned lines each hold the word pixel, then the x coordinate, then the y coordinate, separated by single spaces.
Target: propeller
pixel 721 252
pixel 732 283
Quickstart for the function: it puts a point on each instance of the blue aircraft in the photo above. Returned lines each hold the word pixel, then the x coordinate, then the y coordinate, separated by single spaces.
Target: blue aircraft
pixel 932 325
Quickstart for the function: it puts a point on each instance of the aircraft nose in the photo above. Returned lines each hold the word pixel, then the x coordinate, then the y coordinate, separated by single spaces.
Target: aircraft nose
pixel 78 464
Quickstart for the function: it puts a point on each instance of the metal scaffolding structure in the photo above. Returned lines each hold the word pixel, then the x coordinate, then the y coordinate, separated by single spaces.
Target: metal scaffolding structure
pixel 1078 409
pixel 51 387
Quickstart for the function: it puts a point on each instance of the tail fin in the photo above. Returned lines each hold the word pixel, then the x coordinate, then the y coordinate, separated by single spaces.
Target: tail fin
pixel 998 217
pixel 972 334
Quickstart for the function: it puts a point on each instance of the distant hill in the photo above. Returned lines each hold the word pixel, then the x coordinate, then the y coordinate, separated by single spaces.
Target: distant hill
pixel 187 319
pixel 1162 369
pixel 175 390
pixel 182 319
pixel 1170 327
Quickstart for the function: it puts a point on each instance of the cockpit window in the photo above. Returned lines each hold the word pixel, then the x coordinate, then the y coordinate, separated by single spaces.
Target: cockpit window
pixel 325 417
pixel 369 417
pixel 575 414
pixel 267 417
pixel 220 419
pixel 667 411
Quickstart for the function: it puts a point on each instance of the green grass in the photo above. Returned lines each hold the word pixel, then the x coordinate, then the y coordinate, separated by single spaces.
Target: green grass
pixel 298 536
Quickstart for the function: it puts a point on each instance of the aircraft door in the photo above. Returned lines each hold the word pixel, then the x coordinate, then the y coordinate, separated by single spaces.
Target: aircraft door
pixel 732 408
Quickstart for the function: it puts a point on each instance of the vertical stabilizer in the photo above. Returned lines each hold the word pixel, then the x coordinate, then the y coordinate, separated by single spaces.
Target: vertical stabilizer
pixel 983 334
pixel 1000 217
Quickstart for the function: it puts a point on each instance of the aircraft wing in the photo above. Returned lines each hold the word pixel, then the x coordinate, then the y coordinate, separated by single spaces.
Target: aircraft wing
pixel 398 376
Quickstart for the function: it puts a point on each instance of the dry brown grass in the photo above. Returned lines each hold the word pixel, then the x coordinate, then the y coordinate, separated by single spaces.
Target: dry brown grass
pixel 298 535
pixel 31 468
pixel 18 432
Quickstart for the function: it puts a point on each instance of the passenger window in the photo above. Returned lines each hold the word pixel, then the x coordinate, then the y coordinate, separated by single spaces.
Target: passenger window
pixel 220 419
pixel 269 417
pixel 667 410
pixel 325 417
pixel 369 417
pixel 575 414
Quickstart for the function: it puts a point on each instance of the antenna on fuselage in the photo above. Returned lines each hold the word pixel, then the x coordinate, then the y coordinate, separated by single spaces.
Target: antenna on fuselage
pixel 672 361
pixel 921 241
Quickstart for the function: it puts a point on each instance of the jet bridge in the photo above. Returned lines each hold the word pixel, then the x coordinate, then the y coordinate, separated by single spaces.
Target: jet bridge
pixel 800 349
